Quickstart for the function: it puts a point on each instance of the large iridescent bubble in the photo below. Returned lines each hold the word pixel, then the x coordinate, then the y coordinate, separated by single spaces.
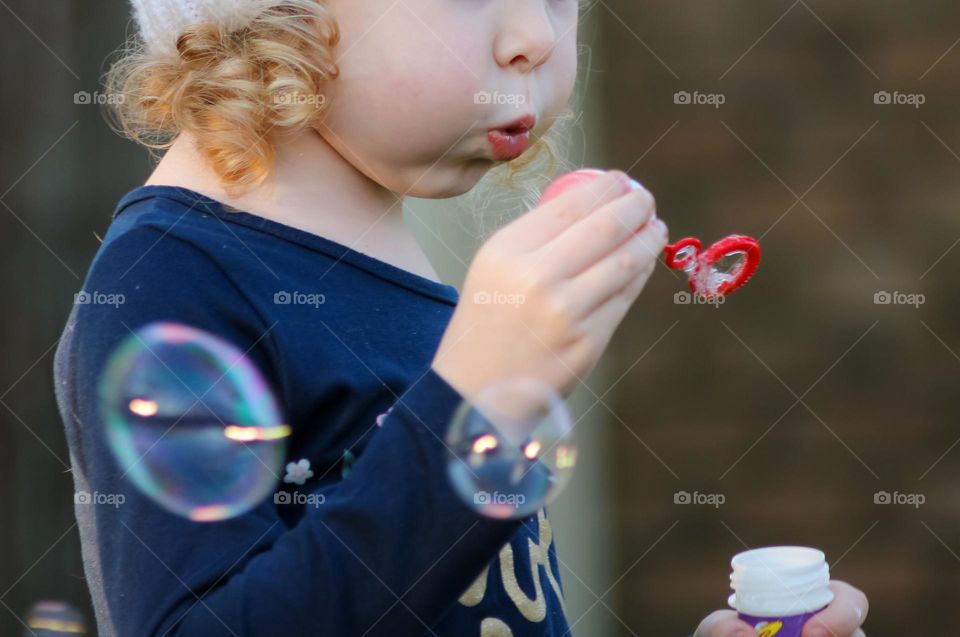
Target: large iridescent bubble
pixel 53 618
pixel 192 422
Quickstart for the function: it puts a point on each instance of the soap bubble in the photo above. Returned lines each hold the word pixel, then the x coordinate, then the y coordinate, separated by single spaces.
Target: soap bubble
pixel 723 271
pixel 192 422
pixel 511 450
pixel 49 618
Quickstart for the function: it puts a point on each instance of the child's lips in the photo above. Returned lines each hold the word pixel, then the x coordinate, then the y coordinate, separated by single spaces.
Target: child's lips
pixel 508 144
pixel 510 141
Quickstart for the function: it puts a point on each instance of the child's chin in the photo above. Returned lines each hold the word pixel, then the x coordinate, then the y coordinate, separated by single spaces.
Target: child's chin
pixel 454 182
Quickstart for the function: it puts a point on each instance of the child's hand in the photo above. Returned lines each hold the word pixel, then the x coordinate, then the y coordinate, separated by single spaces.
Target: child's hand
pixel 544 294
pixel 842 618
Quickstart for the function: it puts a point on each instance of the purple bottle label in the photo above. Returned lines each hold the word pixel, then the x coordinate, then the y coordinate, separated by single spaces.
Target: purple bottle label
pixel 778 626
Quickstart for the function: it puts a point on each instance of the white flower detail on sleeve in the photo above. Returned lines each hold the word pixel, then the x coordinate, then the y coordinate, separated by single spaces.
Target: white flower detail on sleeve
pixel 383 417
pixel 298 472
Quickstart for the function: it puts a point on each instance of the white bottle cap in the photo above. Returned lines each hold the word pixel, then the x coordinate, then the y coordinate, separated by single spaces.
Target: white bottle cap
pixel 780 581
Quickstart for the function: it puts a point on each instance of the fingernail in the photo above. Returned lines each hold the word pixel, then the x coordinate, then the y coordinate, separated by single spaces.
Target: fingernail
pixel 817 631
pixel 636 185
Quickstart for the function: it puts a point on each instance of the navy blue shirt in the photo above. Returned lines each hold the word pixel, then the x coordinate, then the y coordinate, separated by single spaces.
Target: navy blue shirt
pixel 391 550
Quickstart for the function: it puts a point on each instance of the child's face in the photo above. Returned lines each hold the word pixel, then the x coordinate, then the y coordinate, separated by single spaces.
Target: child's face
pixel 423 81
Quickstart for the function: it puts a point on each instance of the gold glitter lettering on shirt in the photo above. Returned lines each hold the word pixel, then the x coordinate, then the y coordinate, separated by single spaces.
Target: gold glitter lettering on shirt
pixel 493 627
pixel 533 609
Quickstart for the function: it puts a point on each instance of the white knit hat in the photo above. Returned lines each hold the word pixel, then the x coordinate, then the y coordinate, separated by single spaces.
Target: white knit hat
pixel 162 21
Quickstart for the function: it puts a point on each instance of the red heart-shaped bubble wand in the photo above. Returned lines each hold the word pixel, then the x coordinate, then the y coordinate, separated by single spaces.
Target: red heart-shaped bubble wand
pixel 716 271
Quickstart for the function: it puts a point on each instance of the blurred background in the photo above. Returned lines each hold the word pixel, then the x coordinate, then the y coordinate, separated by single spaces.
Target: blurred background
pixel 818 406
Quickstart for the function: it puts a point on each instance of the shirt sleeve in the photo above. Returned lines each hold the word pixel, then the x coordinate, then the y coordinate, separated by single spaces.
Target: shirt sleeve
pixel 389 550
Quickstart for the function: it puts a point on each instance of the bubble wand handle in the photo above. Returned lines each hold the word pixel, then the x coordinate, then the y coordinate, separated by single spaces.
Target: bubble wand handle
pixel 702 267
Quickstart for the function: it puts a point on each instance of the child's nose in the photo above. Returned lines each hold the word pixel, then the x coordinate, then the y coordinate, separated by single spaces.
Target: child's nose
pixel 527 36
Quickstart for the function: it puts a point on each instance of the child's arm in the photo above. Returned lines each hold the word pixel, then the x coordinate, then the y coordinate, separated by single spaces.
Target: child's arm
pixel 390 549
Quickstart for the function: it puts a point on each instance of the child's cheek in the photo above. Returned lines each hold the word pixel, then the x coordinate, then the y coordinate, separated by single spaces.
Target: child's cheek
pixel 438 92
pixel 565 65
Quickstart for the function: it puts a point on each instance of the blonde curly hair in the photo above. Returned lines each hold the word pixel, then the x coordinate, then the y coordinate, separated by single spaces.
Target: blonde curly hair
pixel 237 91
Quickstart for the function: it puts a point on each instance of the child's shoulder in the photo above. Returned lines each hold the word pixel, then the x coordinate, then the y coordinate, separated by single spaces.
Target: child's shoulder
pixel 157 265
pixel 161 247
pixel 170 211
pixel 182 237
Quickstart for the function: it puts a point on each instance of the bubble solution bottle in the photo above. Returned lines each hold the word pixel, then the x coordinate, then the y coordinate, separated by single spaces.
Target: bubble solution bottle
pixel 778 588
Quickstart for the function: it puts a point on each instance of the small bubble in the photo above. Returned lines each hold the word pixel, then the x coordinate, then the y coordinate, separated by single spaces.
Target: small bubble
pixel 512 451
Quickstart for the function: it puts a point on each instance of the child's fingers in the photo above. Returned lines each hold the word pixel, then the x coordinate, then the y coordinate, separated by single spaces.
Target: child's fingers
pixel 606 316
pixel 843 617
pixel 632 262
pixel 543 223
pixel 723 623
pixel 597 235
